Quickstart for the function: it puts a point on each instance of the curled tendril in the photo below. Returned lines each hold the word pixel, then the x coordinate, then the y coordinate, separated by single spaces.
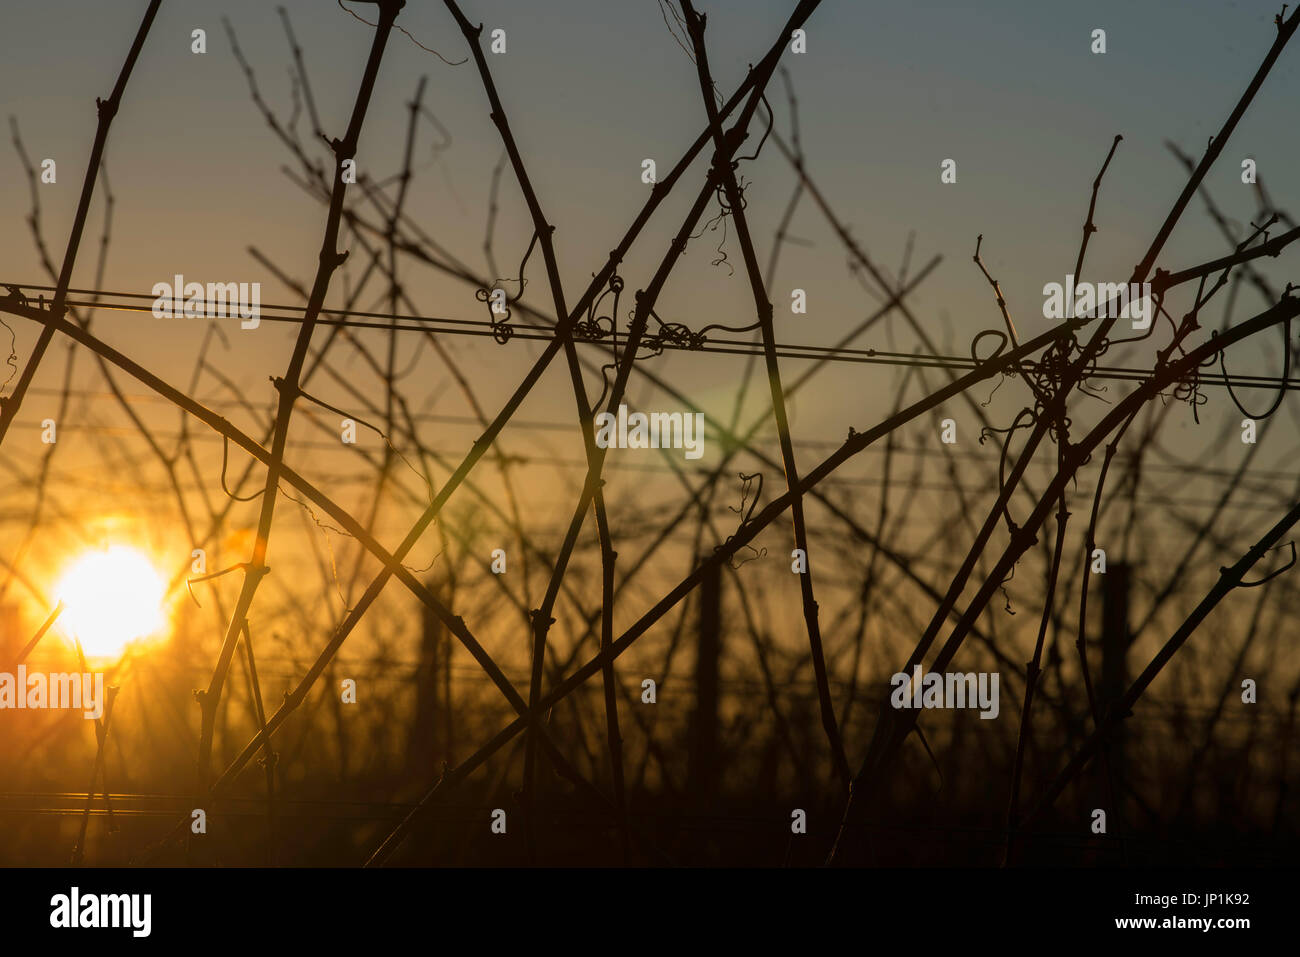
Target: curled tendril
pixel 1006 596
pixel 721 259
pixel 605 370
pixel 1286 374
pixel 724 211
pixel 985 403
pixel 593 329
pixel 974 345
pixel 722 195
pixel 1188 389
pixel 746 482
pixel 485 295
pixel 679 335
pixel 501 328
pixel 670 335
pixel 1029 419
pixel 997 351
pixel 675 335
pixel 591 326
pixel 717 325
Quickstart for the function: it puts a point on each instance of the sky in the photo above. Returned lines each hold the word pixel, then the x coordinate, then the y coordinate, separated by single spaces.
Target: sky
pixel 886 92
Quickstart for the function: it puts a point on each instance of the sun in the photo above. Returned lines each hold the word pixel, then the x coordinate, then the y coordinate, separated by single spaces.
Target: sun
pixel 111 598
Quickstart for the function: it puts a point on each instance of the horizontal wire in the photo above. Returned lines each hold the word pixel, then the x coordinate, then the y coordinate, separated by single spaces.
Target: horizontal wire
pixel 534 333
pixel 1123 455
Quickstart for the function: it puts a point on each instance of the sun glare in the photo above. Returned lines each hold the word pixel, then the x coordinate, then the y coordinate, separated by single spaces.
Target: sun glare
pixel 111 598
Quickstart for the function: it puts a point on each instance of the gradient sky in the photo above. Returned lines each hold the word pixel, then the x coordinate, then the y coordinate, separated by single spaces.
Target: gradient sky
pixel 886 92
pixel 1010 90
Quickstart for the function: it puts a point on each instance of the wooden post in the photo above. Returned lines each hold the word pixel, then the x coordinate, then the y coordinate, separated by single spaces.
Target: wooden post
pixel 702 776
pixel 1115 640
pixel 429 743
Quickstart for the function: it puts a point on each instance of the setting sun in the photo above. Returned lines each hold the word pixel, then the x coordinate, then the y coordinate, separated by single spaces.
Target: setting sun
pixel 111 598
